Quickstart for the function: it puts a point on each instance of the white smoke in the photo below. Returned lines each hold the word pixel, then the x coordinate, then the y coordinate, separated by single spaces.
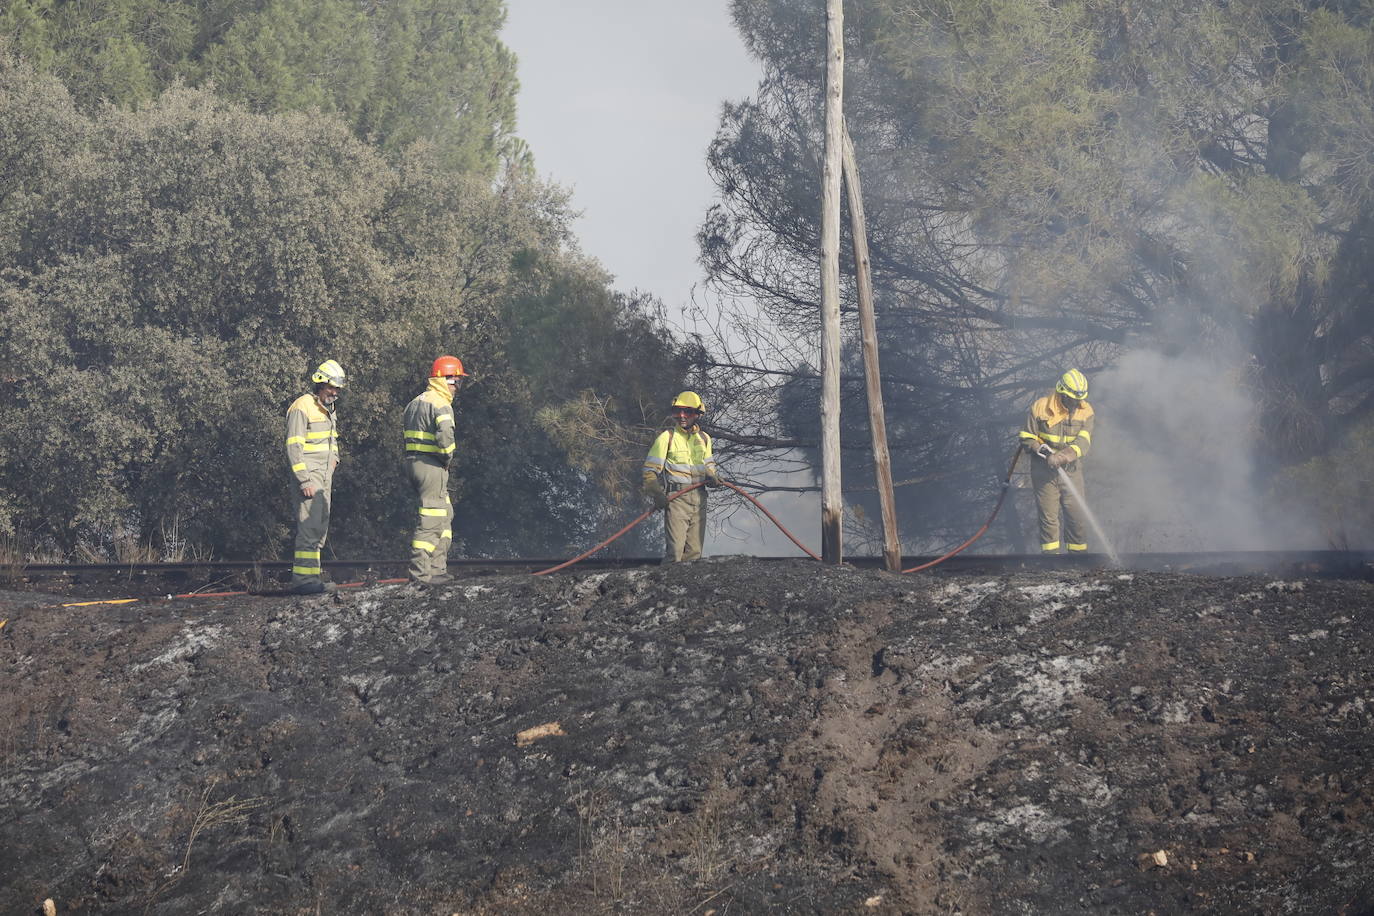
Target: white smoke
pixel 1172 466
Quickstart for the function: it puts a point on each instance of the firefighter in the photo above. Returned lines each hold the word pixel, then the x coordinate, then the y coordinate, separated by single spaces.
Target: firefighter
pixel 1058 433
pixel 679 458
pixel 429 435
pixel 312 451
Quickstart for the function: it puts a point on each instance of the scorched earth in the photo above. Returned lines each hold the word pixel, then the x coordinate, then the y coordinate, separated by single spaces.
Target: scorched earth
pixel 733 736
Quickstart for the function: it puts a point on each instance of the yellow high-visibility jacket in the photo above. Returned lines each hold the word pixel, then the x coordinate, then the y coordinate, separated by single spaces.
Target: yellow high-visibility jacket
pixel 428 422
pixel 683 456
pixel 312 439
pixel 1048 421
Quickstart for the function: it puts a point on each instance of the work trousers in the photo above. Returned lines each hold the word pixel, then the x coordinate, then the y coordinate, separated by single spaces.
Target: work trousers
pixel 685 527
pixel 1050 493
pixel 434 531
pixel 312 527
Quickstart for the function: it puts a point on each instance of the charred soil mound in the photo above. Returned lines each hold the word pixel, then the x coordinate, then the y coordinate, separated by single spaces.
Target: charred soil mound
pixel 736 736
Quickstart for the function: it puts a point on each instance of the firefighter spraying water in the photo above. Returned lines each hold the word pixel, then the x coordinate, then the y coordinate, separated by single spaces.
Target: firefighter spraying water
pixel 1059 431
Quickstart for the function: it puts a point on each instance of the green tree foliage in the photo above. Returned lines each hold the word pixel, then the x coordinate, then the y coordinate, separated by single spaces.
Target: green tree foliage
pixel 1051 184
pixel 171 275
pixel 395 72
pixel 1333 490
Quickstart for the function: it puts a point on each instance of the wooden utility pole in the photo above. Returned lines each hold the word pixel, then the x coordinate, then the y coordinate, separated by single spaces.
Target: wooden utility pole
pixel 832 502
pixel 877 421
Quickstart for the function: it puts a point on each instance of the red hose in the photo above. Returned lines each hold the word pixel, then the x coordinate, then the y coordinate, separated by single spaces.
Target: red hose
pixel 640 518
pixel 1006 485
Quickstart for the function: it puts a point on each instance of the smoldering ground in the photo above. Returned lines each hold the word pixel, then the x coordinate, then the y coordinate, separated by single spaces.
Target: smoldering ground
pixel 738 735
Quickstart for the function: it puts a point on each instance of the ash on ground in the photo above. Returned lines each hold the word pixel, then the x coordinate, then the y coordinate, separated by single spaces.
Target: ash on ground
pixel 731 736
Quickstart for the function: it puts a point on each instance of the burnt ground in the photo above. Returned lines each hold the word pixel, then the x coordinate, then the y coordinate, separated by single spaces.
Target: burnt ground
pixel 731 737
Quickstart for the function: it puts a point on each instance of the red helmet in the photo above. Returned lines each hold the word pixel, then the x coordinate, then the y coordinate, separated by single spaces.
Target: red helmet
pixel 445 366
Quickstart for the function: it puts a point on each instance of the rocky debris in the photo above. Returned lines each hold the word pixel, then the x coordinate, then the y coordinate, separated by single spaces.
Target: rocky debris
pixel 734 735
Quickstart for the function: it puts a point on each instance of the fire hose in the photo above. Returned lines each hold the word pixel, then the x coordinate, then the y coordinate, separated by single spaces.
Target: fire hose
pixel 1006 485
pixel 1001 498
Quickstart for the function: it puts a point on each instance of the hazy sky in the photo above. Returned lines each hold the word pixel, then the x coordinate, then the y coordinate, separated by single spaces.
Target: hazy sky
pixel 619 100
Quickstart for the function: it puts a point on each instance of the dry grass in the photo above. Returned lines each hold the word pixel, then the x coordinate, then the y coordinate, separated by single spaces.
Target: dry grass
pixel 210 815
pixel 12 559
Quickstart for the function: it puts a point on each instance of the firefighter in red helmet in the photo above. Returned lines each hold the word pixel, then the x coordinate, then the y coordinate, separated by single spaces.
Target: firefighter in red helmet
pixel 429 444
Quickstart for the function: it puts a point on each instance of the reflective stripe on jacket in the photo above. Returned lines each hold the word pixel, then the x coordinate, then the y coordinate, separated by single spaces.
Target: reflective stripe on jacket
pixel 312 438
pixel 685 457
pixel 1047 421
pixel 428 423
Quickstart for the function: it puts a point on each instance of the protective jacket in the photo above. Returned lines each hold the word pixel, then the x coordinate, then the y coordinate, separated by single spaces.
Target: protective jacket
pixel 428 425
pixel 312 450
pixel 683 457
pixel 1049 422
pixel 312 439
pixel 428 422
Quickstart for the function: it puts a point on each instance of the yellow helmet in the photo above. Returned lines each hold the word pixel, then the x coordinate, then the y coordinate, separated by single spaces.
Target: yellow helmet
pixel 689 399
pixel 330 373
pixel 1073 384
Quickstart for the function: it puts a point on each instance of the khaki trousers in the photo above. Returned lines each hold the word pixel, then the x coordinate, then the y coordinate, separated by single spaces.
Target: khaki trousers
pixel 684 526
pixel 312 527
pixel 434 531
pixel 1050 492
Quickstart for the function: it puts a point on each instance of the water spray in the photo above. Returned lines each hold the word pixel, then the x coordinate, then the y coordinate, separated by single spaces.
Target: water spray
pixel 1067 481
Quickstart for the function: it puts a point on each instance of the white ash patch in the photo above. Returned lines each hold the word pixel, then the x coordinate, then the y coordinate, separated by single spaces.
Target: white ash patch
pixel 584 588
pixel 1307 637
pixel 366 605
pixel 366 687
pixel 1048 683
pixel 1280 586
pixel 1174 712
pixel 961 598
pixel 1030 820
pixel 472 591
pixel 192 642
pixel 1057 595
pixel 1061 591
pixel 1088 787
pixel 944 666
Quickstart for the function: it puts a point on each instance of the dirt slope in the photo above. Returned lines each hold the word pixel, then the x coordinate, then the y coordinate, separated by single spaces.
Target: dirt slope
pixel 737 735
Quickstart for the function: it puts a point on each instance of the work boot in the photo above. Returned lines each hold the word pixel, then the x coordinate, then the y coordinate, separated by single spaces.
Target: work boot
pixel 310 588
pixel 440 579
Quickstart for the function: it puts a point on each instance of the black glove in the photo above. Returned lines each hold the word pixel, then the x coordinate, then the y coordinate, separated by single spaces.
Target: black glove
pixel 1062 457
pixel 713 481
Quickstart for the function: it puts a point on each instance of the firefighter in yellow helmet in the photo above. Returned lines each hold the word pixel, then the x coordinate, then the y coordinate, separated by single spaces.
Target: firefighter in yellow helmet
pixel 312 451
pixel 1058 433
pixel 429 435
pixel 679 458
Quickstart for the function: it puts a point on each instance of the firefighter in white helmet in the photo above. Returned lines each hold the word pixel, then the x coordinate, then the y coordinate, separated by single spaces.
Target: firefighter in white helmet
pixel 312 451
pixel 1059 432
pixel 680 458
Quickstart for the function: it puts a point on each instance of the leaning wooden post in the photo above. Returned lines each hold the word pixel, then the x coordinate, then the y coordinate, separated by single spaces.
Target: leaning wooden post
pixel 832 504
pixel 877 421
